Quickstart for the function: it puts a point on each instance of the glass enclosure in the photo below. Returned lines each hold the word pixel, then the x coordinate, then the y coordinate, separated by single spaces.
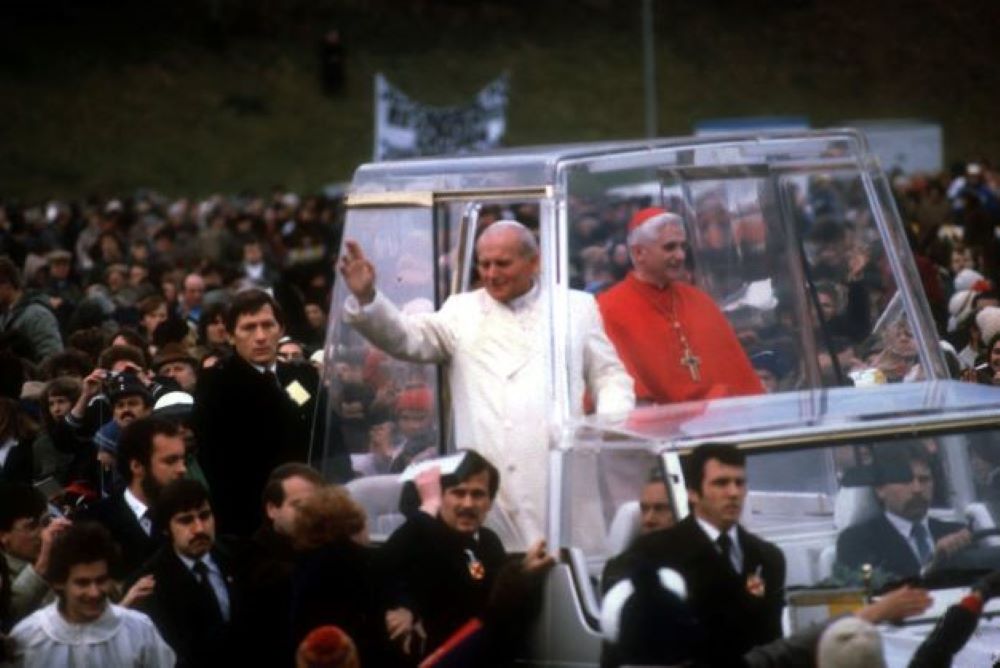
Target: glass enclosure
pixel 797 243
pixel 823 476
pixel 795 239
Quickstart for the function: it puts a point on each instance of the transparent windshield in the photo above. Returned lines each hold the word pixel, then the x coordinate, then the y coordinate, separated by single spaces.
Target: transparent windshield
pixel 843 516
pixel 797 248
pixel 383 412
pixel 391 407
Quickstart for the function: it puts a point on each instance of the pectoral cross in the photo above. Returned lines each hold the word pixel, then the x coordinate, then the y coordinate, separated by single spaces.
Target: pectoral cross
pixel 691 361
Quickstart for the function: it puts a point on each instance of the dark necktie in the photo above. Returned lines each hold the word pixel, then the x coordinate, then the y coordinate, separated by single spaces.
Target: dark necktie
pixel 273 377
pixel 201 575
pixel 919 535
pixel 725 544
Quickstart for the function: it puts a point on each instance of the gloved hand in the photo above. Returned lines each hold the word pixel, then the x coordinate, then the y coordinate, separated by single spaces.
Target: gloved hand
pixel 988 586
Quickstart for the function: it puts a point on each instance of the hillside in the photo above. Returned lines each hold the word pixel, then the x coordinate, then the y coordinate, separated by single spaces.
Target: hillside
pixel 118 96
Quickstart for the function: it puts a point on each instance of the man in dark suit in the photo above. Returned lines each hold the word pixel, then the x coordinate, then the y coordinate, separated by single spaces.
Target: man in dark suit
pixel 735 580
pixel 902 540
pixel 271 561
pixel 253 412
pixel 655 513
pixel 150 455
pixel 441 567
pixel 195 599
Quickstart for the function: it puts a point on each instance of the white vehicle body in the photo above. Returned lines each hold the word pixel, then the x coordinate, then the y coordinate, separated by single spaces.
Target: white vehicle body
pixel 754 207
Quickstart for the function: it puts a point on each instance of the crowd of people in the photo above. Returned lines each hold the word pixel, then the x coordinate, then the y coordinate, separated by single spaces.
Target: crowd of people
pixel 161 399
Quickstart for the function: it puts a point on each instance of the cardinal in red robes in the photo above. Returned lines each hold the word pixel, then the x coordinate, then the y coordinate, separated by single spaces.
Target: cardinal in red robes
pixel 673 339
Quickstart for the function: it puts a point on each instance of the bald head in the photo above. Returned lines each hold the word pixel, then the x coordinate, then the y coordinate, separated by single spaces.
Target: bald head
pixel 193 290
pixel 511 229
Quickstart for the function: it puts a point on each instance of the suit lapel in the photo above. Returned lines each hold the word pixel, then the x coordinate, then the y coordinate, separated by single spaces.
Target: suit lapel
pixel 129 522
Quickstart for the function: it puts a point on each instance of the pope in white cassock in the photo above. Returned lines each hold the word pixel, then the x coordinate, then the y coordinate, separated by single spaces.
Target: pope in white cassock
pixel 492 340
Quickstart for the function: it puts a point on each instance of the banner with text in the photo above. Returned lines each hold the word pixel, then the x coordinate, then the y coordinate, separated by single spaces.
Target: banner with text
pixel 405 128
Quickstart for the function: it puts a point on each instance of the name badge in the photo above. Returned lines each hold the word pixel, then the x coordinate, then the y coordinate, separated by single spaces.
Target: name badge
pixel 298 393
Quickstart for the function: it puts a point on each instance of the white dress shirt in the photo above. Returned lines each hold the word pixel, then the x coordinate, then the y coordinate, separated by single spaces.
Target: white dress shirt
pixel 5 449
pixel 140 510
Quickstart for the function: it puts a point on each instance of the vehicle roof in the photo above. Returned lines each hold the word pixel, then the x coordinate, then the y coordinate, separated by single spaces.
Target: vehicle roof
pixel 818 417
pixel 535 165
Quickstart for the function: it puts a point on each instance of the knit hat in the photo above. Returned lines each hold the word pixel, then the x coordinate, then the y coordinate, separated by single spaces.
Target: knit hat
pixel 969 279
pixel 327 647
pixel 415 398
pixel 107 436
pixel 175 404
pixel 850 642
pixel 988 322
pixel 653 213
pixel 959 308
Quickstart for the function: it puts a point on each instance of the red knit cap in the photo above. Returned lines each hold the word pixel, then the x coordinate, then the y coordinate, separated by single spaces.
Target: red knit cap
pixel 645 215
pixel 327 647
pixel 415 398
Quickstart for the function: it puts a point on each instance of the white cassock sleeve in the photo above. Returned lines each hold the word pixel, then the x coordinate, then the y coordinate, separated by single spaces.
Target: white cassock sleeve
pixel 423 337
pixel 607 380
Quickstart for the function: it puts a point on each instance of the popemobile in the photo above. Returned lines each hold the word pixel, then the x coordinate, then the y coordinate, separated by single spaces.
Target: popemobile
pixel 797 240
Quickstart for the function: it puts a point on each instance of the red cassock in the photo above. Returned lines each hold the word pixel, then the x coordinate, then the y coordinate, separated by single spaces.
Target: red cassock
pixel 639 320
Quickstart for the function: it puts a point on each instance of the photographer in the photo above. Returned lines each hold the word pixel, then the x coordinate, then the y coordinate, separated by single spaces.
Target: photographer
pixel 118 391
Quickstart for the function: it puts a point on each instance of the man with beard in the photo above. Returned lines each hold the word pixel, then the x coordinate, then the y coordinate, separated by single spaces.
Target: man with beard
pixel 150 454
pixel 196 596
pixel 902 540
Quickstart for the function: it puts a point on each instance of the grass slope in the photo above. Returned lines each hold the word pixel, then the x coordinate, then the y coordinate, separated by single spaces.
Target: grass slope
pixel 121 96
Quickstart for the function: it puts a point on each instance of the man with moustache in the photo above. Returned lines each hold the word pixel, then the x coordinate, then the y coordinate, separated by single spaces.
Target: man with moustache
pixel 195 600
pixel 151 454
pixel 442 566
pixel 112 395
pixel 82 628
pixel 675 342
pixel 902 540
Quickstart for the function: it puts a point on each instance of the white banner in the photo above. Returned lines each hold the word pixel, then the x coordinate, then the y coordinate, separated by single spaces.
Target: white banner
pixel 405 128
